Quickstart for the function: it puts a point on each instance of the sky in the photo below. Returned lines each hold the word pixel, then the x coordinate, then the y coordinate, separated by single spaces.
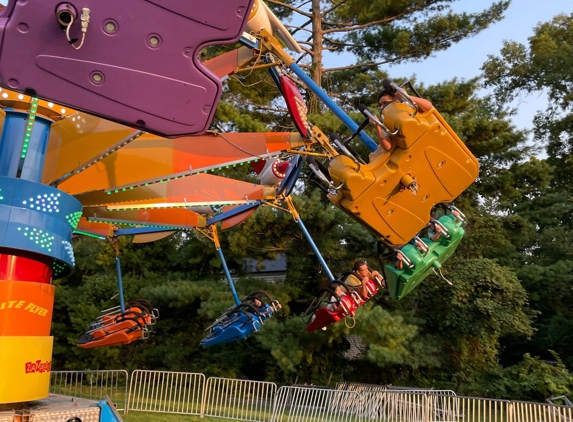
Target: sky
pixel 463 60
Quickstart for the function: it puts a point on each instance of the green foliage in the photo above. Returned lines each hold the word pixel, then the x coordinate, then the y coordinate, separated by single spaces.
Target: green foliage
pixel 390 340
pixel 468 319
pixel 390 30
pixel 539 191
pixel 545 65
pixel 536 380
pixel 410 30
pixel 166 417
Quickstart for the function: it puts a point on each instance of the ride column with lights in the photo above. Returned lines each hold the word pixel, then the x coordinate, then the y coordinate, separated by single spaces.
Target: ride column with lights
pixel 36 225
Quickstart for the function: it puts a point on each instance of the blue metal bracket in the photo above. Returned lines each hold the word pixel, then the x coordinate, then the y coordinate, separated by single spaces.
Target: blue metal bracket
pixel 140 230
pixel 232 213
pixel 249 41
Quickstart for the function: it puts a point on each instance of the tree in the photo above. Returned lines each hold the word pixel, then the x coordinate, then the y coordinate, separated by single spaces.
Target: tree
pixel 375 32
pixel 536 380
pixel 485 303
pixel 545 65
pixel 382 31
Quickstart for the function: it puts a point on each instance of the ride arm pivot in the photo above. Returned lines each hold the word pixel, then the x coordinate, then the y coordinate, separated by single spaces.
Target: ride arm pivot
pixel 319 137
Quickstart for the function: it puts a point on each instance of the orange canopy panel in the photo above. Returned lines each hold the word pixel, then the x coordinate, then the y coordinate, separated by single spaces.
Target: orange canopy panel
pixel 237 219
pixel 198 189
pixel 151 237
pixel 76 139
pixel 151 158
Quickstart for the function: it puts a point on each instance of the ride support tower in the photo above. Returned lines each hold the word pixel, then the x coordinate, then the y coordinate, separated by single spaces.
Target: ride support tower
pixel 36 227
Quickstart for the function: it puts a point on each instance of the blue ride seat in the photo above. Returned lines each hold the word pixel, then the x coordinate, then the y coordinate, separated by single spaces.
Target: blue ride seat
pixel 237 323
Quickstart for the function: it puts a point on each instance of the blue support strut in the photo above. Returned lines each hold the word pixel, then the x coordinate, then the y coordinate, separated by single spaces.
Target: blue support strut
pixel 228 275
pixel 350 124
pixel 315 249
pixel 119 285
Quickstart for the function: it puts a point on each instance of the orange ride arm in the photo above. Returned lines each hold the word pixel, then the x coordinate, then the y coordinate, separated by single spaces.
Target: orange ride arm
pixel 169 218
pixel 151 158
pixel 188 191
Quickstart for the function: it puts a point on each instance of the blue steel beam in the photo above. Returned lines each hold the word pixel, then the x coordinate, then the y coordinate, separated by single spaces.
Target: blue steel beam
pixel 320 93
pixel 232 213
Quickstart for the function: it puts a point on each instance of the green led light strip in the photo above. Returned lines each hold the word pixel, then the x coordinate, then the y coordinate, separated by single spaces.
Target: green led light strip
pixel 29 126
pixel 95 236
pixel 137 224
pixel 170 205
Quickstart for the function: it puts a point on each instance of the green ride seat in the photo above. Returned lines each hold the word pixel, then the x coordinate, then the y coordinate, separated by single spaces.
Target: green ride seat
pixel 403 281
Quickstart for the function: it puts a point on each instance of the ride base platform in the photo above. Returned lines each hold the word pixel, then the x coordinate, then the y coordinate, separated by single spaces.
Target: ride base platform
pixel 54 408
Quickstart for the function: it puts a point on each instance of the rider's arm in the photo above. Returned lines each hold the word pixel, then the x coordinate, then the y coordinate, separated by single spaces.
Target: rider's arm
pixel 384 140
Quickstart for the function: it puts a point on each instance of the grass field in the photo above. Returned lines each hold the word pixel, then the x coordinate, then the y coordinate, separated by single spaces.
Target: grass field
pixel 162 417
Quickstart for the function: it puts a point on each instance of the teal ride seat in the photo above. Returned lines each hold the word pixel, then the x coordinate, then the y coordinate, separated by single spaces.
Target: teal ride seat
pixel 403 281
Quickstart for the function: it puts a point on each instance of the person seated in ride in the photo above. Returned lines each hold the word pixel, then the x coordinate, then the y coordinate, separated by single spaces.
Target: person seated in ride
pixel 398 258
pixel 387 96
pixel 358 281
pixel 334 304
pixel 384 140
pixel 263 308
pixel 435 231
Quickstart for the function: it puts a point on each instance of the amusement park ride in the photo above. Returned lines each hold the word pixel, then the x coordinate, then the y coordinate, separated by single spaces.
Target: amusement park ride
pixel 106 109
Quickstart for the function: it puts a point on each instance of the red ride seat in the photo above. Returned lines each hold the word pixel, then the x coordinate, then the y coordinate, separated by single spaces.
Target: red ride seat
pixel 371 288
pixel 324 316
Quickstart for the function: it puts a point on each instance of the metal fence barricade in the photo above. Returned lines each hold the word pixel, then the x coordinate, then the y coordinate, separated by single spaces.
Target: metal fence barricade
pixel 166 392
pixel 307 404
pixel 359 386
pixel 92 385
pixel 406 406
pixel 538 412
pixel 473 409
pixel 239 399
pixel 443 406
pixel 256 401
